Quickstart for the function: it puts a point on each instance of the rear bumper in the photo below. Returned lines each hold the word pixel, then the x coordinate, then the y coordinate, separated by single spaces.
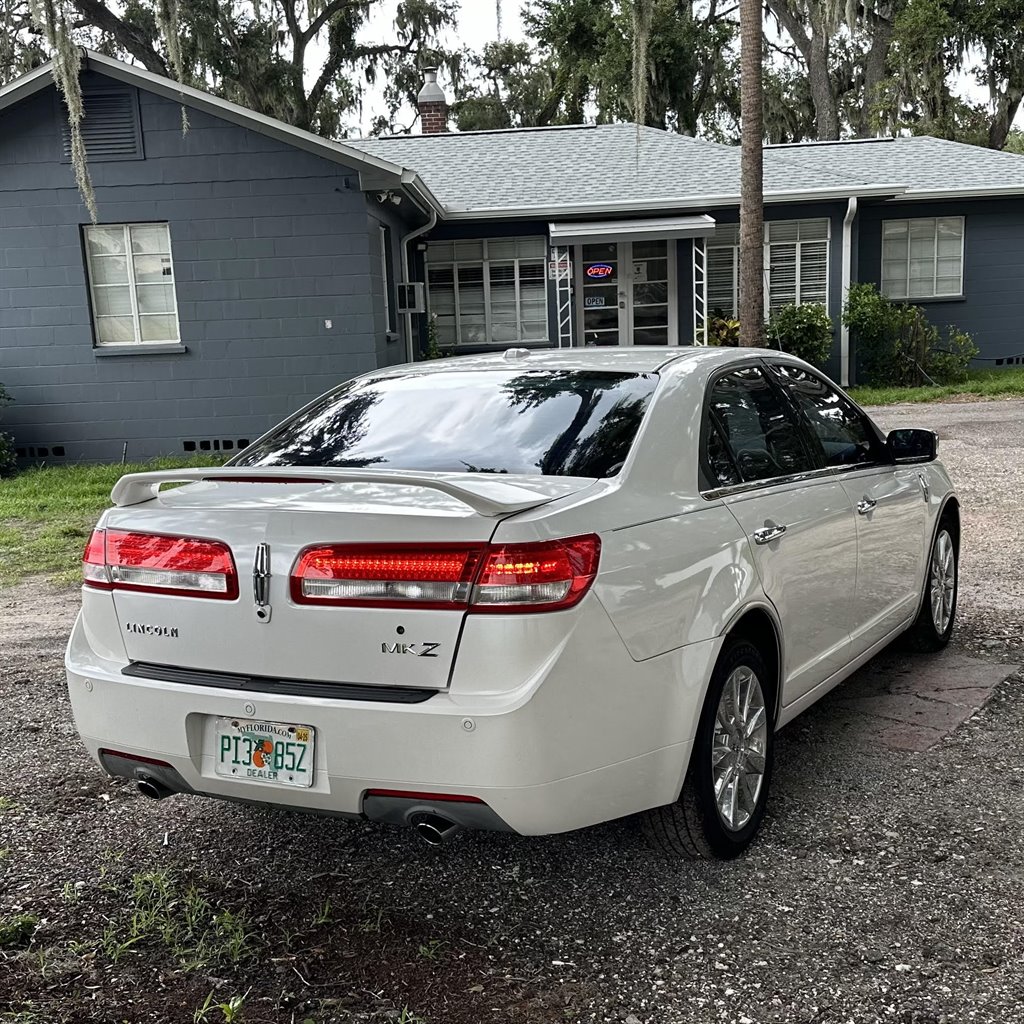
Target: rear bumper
pixel 567 749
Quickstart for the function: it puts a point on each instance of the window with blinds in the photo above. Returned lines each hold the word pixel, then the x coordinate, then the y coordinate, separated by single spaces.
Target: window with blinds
pixel 923 258
pixel 796 255
pixel 488 291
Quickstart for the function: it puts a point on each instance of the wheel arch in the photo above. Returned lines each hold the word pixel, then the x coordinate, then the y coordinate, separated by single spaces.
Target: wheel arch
pixel 759 625
pixel 950 507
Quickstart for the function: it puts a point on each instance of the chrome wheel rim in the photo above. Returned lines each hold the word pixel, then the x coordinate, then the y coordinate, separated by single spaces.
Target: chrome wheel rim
pixel 943 582
pixel 739 748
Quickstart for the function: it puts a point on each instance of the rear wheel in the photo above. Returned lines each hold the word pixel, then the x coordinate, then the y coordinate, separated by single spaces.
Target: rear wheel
pixel 934 624
pixel 725 792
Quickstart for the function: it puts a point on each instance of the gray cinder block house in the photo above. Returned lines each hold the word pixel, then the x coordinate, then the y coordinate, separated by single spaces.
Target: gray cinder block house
pixel 243 268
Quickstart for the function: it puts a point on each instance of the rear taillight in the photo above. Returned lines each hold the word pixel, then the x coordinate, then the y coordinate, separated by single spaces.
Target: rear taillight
pixel 386 576
pixel 536 577
pixel 159 564
pixel 487 578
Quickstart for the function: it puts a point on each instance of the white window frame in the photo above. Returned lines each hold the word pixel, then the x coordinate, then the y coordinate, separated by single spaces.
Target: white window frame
pixel 733 247
pixel 485 262
pixel 934 293
pixel 132 287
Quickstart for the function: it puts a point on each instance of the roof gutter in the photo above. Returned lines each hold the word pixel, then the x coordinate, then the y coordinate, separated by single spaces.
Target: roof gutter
pixel 844 330
pixel 647 205
pixel 431 208
pixel 993 192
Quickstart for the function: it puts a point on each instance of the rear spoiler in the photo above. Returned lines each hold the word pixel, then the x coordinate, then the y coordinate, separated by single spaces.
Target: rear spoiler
pixel 487 495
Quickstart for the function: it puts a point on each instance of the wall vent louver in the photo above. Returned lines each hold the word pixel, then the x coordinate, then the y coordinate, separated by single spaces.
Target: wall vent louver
pixel 110 127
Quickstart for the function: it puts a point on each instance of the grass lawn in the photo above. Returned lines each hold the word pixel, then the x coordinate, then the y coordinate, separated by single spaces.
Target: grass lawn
pixel 46 515
pixel 983 383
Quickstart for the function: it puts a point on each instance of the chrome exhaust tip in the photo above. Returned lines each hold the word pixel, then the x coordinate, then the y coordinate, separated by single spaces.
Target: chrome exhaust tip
pixel 435 830
pixel 152 789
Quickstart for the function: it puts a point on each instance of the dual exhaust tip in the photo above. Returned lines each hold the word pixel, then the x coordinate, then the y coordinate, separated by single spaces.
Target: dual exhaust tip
pixel 433 829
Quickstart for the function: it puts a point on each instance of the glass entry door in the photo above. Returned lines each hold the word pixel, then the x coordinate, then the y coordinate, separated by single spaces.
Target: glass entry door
pixel 626 293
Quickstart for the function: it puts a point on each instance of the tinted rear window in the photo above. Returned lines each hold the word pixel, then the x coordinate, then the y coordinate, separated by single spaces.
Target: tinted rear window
pixel 549 422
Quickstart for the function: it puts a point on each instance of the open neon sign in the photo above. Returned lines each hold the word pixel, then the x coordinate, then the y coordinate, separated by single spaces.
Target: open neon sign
pixel 600 270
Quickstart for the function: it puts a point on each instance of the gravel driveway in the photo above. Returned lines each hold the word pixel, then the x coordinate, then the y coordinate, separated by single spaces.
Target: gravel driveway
pixel 887 885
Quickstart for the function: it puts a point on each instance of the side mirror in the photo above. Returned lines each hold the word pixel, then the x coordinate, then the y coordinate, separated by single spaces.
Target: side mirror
pixel 913 445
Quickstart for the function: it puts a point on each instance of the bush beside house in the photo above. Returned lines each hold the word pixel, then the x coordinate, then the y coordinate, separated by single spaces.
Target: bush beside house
pixel 898 346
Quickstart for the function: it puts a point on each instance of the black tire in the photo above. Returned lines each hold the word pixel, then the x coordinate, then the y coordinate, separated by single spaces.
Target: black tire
pixel 925 635
pixel 692 827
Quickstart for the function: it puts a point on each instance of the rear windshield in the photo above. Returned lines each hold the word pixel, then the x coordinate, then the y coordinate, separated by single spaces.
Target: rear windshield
pixel 546 422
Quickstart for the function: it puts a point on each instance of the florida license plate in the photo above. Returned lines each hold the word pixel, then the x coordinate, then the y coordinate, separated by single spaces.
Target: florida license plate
pixel 264 751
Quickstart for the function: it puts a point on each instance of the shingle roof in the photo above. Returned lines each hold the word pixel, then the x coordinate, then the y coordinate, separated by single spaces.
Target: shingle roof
pixel 922 163
pixel 606 166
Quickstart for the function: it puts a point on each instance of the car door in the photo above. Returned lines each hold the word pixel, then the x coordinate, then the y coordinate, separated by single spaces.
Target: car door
pixel 889 499
pixel 797 517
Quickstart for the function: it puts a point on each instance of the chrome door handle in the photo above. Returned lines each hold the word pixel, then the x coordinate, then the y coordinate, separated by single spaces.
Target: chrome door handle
pixel 768 533
pixel 866 505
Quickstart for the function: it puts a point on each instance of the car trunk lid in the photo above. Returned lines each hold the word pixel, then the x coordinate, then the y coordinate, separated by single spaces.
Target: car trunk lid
pixel 268 517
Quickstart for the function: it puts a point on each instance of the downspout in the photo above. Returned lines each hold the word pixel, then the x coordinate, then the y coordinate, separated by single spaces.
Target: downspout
pixel 844 331
pixel 431 213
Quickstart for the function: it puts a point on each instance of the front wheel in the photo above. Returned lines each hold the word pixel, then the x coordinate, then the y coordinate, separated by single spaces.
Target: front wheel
pixel 725 792
pixel 934 624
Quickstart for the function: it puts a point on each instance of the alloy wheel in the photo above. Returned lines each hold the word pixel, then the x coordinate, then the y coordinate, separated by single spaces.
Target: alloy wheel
pixel 739 748
pixel 943 582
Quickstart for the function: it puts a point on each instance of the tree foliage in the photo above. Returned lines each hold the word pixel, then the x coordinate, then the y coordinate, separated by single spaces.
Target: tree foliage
pixel 581 64
pixel 302 61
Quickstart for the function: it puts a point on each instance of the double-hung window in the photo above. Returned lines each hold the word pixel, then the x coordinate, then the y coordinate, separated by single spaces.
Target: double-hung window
pixel 796 255
pixel 131 282
pixel 923 258
pixel 488 290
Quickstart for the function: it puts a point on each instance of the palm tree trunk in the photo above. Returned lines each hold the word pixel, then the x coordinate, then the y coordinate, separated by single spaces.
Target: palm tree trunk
pixel 751 177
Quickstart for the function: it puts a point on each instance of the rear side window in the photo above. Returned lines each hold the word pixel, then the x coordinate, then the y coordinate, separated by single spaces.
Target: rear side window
pixel 842 430
pixel 753 434
pixel 542 422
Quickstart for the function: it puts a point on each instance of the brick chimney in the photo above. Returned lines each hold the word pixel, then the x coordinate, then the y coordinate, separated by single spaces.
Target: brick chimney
pixel 433 106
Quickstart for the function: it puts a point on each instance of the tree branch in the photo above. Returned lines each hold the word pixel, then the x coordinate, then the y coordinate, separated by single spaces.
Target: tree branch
pixel 128 37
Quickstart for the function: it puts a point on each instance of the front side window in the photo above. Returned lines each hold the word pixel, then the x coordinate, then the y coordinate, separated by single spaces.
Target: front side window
pixel 760 434
pixel 131 282
pixel 843 431
pixel 923 258
pixel 796 254
pixel 548 422
pixel 491 290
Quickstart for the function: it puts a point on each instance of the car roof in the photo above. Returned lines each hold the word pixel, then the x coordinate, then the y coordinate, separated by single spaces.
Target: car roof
pixel 627 359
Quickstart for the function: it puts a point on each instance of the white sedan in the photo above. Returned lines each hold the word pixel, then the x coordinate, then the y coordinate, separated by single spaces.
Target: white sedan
pixel 529 591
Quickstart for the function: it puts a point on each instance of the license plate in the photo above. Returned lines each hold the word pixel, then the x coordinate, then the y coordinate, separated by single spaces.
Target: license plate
pixel 264 751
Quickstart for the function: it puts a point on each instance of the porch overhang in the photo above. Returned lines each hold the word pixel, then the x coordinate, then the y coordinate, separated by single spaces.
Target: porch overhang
pixel 646 230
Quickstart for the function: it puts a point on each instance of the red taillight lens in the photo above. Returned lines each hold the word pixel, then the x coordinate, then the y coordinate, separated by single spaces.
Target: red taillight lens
pixel 158 564
pixel 495 578
pixel 433 576
pixel 536 577
pixel 94 562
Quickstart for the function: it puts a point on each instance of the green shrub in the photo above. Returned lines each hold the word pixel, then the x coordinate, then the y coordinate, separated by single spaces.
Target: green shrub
pixel 802 331
pixel 8 462
pixel 722 331
pixel 898 346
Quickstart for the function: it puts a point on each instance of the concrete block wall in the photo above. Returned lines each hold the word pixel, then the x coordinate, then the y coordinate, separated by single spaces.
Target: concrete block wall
pixel 269 244
pixel 991 308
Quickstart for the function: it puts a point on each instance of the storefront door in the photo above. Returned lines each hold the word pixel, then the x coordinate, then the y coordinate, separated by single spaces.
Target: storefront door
pixel 626 293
